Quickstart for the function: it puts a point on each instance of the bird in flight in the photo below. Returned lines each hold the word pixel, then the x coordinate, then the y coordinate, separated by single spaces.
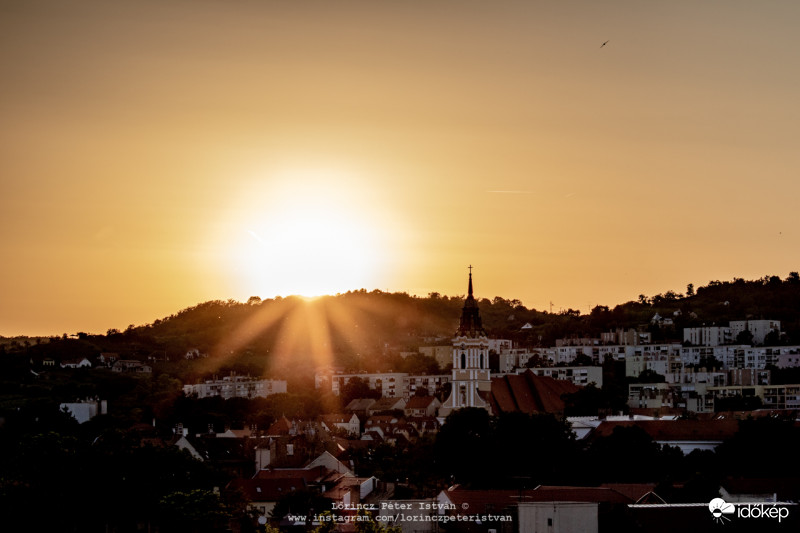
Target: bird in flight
pixel 602 45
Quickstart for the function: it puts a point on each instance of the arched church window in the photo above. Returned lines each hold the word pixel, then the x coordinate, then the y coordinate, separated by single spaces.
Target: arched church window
pixel 481 361
pixel 463 360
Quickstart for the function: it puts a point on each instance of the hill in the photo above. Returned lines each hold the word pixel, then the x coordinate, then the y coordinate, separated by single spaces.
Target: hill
pixel 366 330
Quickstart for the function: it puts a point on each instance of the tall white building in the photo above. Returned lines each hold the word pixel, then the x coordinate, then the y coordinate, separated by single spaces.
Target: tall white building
pixel 708 336
pixel 471 375
pixel 759 328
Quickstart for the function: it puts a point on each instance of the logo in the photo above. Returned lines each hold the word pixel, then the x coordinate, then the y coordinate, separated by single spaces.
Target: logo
pixel 719 508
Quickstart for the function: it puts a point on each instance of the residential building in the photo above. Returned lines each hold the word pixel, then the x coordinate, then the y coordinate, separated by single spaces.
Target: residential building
pixel 234 386
pixel 131 365
pixel 771 396
pixel 758 328
pixel 708 336
pixel 579 375
pixel 85 410
pixel 422 406
pixel 347 423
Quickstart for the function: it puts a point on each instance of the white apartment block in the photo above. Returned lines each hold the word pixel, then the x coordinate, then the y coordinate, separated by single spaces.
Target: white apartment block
pixel 650 395
pixel 772 396
pixel 511 360
pixel 689 390
pixel 579 375
pixel 790 358
pixel 759 328
pixel 720 335
pixel 390 384
pixel 626 337
pixel 236 387
pixel 500 345
pixel 708 336
pixel 743 356
pixel 659 358
pixel 431 382
pixel 442 354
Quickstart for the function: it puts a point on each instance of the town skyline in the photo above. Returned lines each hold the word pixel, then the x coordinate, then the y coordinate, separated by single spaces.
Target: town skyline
pixel 156 156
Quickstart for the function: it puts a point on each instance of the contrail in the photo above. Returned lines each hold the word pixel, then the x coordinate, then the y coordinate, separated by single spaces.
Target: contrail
pixel 255 236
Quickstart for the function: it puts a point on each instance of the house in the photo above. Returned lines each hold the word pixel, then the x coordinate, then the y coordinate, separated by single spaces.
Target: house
pixel 194 353
pixel 330 462
pixel 424 424
pixel 281 426
pixel 546 508
pixel 351 490
pixel 85 410
pixel 231 455
pixel 422 406
pixel 285 451
pixel 360 407
pixel 131 366
pixel 688 435
pixel 386 404
pixel 76 363
pixel 108 358
pixel 262 495
pixel 390 428
pixel 350 424
pixel 558 517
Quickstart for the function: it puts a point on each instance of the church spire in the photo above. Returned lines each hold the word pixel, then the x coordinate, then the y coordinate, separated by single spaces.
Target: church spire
pixel 470 325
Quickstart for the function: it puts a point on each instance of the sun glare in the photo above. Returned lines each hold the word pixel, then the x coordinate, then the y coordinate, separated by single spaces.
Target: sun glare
pixel 304 234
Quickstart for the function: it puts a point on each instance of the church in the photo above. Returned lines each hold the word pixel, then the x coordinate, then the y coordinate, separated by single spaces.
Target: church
pixel 471 380
pixel 473 385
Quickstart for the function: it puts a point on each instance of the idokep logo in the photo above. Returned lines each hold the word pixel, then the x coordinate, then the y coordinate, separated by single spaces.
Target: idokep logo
pixel 719 508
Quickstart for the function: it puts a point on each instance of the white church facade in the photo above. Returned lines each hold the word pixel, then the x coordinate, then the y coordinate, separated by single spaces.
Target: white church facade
pixel 471 379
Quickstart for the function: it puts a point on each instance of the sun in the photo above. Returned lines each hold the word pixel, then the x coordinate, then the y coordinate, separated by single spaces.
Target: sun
pixel 305 234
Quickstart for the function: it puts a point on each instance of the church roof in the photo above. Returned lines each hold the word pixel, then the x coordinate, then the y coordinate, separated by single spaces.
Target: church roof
pixel 529 393
pixel 470 325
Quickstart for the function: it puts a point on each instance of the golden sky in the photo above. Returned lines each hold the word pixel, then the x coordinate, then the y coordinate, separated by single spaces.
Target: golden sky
pixel 155 154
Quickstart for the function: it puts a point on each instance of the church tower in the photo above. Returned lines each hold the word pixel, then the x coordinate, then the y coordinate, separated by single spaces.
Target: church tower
pixel 471 379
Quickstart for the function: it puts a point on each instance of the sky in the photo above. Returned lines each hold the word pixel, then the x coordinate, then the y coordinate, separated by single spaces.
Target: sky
pixel 155 154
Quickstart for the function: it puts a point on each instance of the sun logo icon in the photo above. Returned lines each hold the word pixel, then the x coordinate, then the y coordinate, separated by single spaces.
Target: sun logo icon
pixel 719 508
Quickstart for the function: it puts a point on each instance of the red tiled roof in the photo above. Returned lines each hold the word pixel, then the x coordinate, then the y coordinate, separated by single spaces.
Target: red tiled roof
pixel 576 494
pixel 280 427
pixel 384 419
pixel 529 393
pixel 634 491
pixel 387 404
pixel 501 398
pixel 523 392
pixel 266 490
pixel 307 474
pixel 481 501
pixel 419 402
pixel 675 430
pixel 336 418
